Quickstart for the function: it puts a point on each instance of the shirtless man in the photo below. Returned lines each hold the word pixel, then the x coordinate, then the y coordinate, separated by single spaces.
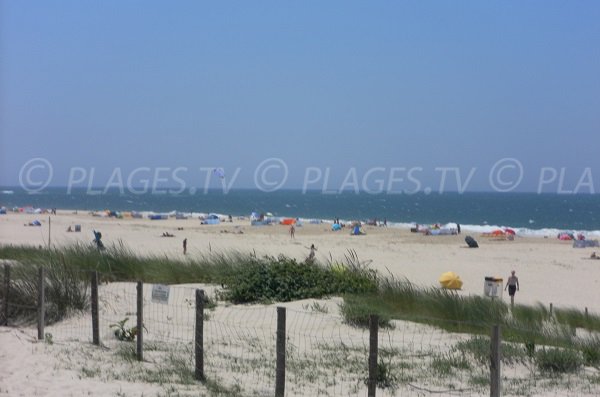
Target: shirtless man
pixel 513 285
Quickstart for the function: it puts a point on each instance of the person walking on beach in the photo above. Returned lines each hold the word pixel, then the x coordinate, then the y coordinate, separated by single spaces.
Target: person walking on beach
pixel 513 285
pixel 184 246
pixel 292 231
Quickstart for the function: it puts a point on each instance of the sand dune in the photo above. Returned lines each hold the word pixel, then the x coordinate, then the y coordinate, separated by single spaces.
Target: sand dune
pixel 549 271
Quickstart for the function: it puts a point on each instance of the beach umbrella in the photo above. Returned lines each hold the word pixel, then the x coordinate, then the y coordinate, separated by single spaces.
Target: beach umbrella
pixel 450 280
pixel 509 231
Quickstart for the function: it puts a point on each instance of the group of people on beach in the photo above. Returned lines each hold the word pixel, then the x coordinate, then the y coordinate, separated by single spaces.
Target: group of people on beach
pixel 512 283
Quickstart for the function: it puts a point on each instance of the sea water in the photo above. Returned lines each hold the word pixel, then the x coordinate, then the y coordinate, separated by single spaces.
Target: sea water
pixel 532 214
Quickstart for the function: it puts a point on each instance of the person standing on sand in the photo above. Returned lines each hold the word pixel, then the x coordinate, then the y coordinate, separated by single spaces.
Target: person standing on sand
pixel 292 231
pixel 312 254
pixel 513 285
pixel 184 246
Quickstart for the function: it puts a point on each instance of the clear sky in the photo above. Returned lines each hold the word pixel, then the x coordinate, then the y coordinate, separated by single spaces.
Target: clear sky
pixel 345 85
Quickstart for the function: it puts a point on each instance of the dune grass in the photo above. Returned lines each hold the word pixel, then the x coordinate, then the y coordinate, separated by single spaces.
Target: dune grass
pixel 66 291
pixel 249 278
pixel 403 300
pixel 531 327
pixel 119 263
pixel 245 277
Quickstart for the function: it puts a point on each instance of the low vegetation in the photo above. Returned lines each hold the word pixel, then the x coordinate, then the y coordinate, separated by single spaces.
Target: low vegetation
pixel 66 292
pixel 245 276
pixel 532 336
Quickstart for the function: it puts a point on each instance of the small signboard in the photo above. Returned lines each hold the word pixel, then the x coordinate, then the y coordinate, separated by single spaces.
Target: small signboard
pixel 160 293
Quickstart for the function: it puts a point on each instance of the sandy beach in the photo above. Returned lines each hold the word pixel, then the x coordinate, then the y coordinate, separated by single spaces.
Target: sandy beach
pixel 549 270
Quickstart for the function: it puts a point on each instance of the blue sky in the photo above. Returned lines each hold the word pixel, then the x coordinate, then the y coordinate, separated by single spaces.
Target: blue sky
pixel 338 85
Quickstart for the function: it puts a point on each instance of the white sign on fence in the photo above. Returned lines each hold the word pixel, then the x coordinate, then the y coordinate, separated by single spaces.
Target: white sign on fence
pixel 160 293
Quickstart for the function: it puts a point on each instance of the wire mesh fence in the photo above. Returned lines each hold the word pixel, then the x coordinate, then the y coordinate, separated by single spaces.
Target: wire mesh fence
pixel 324 355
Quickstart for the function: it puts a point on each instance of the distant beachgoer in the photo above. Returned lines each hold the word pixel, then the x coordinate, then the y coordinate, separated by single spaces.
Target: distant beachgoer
pixel 230 218
pixel 594 256
pixel 385 222
pixel 184 246
pixel 513 285
pixel 292 231
pixel 458 228
pixel 312 254
pixel 98 240
pixel 69 229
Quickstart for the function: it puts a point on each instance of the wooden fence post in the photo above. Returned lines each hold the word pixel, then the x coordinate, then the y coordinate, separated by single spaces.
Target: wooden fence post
pixel 41 306
pixel 373 342
pixel 280 351
pixel 95 315
pixel 6 293
pixel 495 359
pixel 199 339
pixel 140 321
pixel 551 309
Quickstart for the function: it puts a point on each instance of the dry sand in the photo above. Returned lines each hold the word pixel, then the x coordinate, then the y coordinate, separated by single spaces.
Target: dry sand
pixel 549 270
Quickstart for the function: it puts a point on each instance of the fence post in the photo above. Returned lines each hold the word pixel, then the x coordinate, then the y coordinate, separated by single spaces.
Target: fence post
pixel 140 321
pixel 495 358
pixel 586 312
pixel 6 293
pixel 41 298
pixel 280 351
pixel 373 342
pixel 95 315
pixel 551 309
pixel 199 342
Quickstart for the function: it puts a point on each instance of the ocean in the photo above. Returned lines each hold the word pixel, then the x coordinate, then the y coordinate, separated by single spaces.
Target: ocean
pixel 531 213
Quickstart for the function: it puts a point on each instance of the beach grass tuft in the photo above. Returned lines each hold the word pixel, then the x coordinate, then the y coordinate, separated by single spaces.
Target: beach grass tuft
pixel 550 339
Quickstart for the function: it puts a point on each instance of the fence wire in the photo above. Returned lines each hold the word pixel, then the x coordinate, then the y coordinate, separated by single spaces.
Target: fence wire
pixel 324 355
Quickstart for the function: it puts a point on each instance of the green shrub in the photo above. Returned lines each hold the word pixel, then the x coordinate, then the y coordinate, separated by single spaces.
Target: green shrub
pixel 284 279
pixel 479 347
pixel 386 379
pixel 556 360
pixel 124 333
pixel 446 364
pixel 591 352
pixel 357 313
